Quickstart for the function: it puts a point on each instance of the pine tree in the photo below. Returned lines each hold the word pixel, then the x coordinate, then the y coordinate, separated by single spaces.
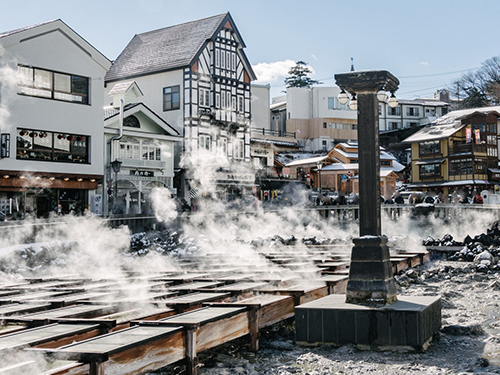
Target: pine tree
pixel 298 76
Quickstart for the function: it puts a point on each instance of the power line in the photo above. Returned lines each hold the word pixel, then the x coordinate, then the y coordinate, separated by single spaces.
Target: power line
pixel 440 74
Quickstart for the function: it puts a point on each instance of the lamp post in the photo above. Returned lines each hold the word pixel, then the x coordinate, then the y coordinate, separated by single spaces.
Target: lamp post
pixel 370 313
pixel 116 164
pixel 370 276
pixel 319 165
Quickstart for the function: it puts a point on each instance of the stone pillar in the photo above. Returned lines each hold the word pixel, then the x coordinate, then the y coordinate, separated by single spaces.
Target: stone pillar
pixel 370 274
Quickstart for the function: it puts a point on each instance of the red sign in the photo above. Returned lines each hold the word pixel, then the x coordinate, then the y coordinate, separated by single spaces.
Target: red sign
pixel 348 173
pixel 308 175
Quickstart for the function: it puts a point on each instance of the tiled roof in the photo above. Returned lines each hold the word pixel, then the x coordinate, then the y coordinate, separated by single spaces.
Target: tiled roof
pixel 160 50
pixel 7 33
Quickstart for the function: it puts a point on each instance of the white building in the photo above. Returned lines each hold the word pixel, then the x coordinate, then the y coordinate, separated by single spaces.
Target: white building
pixel 410 113
pixel 318 119
pixel 52 90
pixel 142 145
pixel 196 77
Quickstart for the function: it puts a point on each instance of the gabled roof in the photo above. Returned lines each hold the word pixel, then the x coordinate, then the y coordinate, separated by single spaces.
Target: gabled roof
pixel 124 87
pixel 447 125
pixel 130 109
pixel 57 25
pixel 169 48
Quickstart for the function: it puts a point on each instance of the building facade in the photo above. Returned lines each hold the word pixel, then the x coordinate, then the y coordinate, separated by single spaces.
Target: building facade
pixel 142 145
pixel 457 152
pixel 196 77
pixel 318 119
pixel 52 87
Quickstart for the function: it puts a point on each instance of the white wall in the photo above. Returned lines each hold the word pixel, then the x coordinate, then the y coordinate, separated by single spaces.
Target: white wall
pixel 261 114
pixel 298 103
pixel 152 88
pixel 41 48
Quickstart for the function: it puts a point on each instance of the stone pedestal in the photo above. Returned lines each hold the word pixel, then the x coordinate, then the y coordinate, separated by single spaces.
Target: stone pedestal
pixel 408 323
pixel 370 273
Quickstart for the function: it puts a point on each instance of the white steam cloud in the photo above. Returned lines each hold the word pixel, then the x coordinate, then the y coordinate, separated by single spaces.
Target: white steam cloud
pixel 273 72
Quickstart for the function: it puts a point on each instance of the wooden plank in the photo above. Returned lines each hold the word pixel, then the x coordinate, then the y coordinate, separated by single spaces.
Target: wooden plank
pixel 22 308
pixel 53 332
pixel 64 312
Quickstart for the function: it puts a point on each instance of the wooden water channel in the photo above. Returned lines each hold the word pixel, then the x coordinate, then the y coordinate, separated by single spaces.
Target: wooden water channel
pixel 73 325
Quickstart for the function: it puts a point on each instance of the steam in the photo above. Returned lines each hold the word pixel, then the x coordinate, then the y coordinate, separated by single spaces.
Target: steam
pixel 8 86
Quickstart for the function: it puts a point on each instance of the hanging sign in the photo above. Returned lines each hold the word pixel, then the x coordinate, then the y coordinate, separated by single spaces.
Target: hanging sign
pixel 468 135
pixel 477 133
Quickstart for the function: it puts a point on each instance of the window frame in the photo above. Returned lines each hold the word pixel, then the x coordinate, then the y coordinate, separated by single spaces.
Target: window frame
pixel 46 89
pixel 175 89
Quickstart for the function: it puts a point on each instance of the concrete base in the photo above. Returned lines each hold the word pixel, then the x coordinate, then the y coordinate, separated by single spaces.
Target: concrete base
pixel 409 322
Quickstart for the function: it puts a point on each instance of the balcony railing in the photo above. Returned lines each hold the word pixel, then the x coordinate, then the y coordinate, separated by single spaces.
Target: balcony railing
pixel 273 133
pixel 469 148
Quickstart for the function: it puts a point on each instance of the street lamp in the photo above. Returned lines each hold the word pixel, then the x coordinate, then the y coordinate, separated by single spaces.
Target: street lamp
pixel 116 164
pixel 319 165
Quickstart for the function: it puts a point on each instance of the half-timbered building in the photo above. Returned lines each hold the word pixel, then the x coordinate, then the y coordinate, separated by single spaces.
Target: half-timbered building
pixel 197 78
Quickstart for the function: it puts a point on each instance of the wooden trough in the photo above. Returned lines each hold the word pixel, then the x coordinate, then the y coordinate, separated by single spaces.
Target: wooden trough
pixel 111 326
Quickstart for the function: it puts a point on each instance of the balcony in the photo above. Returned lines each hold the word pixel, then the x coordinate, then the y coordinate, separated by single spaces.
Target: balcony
pixel 151 164
pixel 469 148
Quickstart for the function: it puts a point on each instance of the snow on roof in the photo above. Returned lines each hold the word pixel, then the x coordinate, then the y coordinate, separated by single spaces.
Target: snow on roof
pixel 340 167
pixel 313 160
pixel 447 125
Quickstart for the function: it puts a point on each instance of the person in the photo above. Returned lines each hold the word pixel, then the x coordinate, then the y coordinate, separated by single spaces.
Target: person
pixel 428 198
pixel 398 199
pixel 477 199
pixel 464 199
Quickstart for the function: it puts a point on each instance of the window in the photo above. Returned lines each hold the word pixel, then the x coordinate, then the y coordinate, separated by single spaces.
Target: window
pixel 396 111
pixel 49 146
pixel 480 166
pixel 217 100
pixel 412 111
pixel 151 150
pixel 394 125
pixel 460 166
pixel 223 59
pixel 233 103
pixel 130 148
pixel 228 61
pixel 222 145
pixel 430 170
pixel 385 163
pixel 234 60
pixel 324 144
pixel 205 143
pixel 131 121
pixel 52 85
pixel 171 98
pixel 204 98
pixel 324 125
pixel 238 149
pixel 240 104
pixel 411 124
pixel 223 99
pixel 217 58
pixel 333 103
pixel 429 148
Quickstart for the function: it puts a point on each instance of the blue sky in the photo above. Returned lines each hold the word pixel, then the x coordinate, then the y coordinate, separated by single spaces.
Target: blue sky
pixel 426 44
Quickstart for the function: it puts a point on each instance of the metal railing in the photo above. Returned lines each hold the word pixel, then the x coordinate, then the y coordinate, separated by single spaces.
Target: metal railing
pixel 273 133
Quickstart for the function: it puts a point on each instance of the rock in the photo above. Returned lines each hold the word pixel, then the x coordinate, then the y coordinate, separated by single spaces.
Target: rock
pixel 473 329
pixel 281 345
pixel 412 274
pixel 485 255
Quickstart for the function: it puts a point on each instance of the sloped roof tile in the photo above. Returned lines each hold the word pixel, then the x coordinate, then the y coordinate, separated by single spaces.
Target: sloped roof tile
pixel 164 49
